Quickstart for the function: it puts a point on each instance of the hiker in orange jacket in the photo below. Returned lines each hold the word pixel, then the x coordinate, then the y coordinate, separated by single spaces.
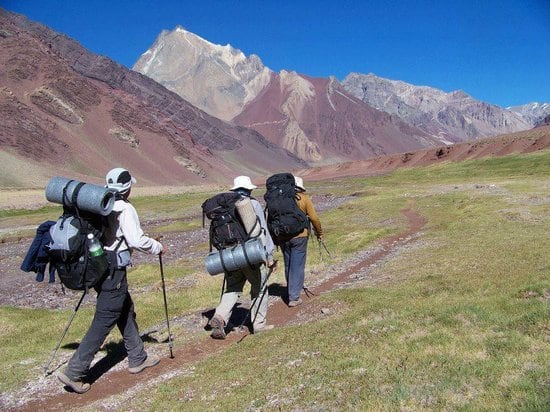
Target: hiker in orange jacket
pixel 295 249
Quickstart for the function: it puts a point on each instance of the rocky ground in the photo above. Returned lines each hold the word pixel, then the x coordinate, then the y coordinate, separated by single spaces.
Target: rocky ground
pixel 19 289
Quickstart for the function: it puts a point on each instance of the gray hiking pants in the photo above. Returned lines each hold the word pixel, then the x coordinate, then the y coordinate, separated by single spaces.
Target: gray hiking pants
pixel 233 290
pixel 114 307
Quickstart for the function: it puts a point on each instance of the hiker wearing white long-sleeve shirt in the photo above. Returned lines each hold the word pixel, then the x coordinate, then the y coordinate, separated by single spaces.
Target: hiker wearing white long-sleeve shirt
pixel 114 304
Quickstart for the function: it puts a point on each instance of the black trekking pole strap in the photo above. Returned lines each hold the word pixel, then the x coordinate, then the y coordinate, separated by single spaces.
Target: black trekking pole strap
pixel 47 367
pixel 166 306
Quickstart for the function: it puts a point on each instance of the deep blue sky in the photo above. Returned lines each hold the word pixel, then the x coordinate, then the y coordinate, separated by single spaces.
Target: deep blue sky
pixel 497 51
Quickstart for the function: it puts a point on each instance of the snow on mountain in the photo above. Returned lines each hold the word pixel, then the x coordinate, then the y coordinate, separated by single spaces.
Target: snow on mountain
pixel 534 113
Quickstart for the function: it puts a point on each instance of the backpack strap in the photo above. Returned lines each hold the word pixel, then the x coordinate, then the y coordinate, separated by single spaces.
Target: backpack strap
pixel 256 223
pixel 246 256
pixel 225 271
pixel 74 196
pixel 122 239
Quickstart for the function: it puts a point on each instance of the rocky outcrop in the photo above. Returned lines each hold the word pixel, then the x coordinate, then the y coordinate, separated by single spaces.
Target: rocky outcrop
pixel 217 79
pixel 25 131
pixel 532 113
pixel 320 122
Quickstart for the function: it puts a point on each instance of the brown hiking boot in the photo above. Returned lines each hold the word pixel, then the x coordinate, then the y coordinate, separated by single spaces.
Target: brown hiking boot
pixel 149 362
pixel 76 386
pixel 217 323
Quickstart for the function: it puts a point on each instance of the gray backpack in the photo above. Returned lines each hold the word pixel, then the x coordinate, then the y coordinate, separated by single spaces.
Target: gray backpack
pixel 68 251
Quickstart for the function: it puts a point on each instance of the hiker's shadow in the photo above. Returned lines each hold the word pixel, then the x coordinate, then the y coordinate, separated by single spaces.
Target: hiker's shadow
pixel 115 353
pixel 277 289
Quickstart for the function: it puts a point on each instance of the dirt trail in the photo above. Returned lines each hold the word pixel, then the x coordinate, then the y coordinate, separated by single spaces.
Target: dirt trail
pixel 120 383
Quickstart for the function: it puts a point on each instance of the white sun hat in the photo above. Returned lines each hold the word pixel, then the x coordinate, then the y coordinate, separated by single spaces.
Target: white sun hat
pixel 243 182
pixel 119 179
pixel 299 183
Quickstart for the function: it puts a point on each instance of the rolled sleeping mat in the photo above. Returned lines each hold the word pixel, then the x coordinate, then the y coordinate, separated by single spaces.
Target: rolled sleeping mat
pixel 248 216
pixel 236 257
pixel 86 196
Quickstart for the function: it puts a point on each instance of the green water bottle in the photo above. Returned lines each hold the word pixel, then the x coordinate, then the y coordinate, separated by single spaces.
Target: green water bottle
pixel 94 246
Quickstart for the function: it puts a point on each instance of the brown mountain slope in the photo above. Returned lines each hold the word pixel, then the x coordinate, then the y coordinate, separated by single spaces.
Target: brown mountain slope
pixel 322 123
pixel 66 111
pixel 521 142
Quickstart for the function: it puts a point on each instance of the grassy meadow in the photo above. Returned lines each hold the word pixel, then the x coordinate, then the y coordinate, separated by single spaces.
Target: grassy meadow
pixel 459 321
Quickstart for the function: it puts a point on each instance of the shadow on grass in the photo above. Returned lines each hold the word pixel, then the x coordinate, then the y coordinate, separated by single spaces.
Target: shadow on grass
pixel 277 289
pixel 115 353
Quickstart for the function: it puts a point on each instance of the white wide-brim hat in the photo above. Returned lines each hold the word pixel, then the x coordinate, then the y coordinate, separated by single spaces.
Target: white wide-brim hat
pixel 243 182
pixel 299 183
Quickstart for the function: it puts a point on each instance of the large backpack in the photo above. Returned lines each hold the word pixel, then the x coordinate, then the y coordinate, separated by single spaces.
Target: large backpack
pixel 226 227
pixel 68 251
pixel 284 218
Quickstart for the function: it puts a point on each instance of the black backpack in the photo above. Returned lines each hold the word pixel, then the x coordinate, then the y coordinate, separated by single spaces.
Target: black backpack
pixel 68 251
pixel 226 227
pixel 284 218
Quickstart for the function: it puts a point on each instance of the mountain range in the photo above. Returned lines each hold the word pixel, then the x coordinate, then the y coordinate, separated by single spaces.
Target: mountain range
pixel 196 113
pixel 323 120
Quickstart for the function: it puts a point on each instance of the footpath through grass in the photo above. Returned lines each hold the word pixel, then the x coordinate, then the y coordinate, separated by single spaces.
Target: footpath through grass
pixel 462 324
pixel 461 321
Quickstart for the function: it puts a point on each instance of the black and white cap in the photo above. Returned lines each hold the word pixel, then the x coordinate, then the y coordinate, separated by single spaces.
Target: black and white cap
pixel 119 179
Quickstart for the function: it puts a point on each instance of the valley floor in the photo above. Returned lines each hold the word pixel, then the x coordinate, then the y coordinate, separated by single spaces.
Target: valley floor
pixel 115 385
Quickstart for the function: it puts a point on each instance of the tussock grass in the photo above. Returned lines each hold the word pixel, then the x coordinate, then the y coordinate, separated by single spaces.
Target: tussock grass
pixel 461 320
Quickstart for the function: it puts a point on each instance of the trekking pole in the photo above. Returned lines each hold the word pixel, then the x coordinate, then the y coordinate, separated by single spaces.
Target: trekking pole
pixel 322 243
pixel 165 306
pixel 308 292
pixel 262 293
pixel 47 367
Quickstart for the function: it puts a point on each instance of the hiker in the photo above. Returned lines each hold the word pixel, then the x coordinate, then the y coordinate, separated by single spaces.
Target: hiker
pixel 256 275
pixel 114 306
pixel 295 249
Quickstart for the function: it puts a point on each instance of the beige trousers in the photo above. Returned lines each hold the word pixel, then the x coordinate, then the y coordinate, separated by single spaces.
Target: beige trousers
pixel 233 290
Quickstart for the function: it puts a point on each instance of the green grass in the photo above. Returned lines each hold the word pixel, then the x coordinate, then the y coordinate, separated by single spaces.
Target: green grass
pixel 458 320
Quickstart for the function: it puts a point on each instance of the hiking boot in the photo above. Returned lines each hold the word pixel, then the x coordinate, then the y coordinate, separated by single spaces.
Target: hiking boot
pixel 217 323
pixel 147 363
pixel 263 328
pixel 76 386
pixel 294 303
